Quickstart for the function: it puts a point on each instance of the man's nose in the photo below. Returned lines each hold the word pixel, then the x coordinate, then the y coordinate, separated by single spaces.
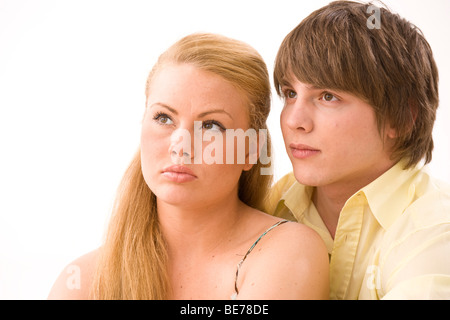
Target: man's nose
pixel 298 115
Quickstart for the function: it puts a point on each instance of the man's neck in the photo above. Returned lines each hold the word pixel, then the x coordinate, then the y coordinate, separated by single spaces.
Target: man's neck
pixel 329 208
pixel 330 199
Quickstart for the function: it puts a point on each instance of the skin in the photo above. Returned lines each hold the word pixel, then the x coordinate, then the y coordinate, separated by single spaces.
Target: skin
pixel 207 228
pixel 179 96
pixel 334 144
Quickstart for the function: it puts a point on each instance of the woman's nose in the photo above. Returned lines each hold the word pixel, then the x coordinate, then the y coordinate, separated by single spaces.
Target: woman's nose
pixel 181 147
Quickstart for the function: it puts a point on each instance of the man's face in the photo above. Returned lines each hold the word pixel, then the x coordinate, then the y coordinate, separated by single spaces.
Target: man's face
pixel 332 137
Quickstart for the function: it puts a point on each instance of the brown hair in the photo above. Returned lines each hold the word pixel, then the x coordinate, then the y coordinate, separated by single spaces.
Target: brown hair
pixel 133 259
pixel 392 68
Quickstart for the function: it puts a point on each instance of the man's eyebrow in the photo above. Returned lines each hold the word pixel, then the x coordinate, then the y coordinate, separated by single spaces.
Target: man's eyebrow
pixel 287 83
pixel 284 82
pixel 313 87
pixel 164 106
pixel 204 114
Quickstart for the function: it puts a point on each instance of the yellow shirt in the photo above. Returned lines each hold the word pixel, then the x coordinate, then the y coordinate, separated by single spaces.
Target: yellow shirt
pixel 392 240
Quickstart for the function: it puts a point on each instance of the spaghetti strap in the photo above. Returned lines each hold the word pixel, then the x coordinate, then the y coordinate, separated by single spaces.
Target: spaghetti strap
pixel 234 295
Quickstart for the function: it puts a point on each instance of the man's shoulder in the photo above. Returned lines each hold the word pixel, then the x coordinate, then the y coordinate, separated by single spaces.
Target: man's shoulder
pixel 431 201
pixel 426 217
pixel 283 184
pixel 277 191
pixel 414 246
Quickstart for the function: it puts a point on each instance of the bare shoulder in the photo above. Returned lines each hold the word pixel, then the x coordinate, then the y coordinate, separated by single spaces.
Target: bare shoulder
pixel 295 241
pixel 290 262
pixel 295 229
pixel 74 282
pixel 291 238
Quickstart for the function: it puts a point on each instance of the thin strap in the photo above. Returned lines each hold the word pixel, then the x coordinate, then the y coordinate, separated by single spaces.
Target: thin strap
pixel 248 252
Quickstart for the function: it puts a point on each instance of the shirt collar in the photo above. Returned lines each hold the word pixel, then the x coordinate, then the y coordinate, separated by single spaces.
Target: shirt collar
pixel 388 196
pixel 391 193
pixel 297 199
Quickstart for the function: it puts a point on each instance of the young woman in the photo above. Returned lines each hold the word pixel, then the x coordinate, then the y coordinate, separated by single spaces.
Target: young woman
pixel 186 228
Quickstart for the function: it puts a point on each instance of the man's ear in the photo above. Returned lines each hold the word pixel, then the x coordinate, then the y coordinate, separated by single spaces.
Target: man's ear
pixel 391 133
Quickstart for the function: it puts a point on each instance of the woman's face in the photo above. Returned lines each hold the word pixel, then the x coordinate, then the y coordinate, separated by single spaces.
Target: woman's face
pixel 183 139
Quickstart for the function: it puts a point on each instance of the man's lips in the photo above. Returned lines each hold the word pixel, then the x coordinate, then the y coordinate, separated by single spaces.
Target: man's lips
pixel 179 173
pixel 302 151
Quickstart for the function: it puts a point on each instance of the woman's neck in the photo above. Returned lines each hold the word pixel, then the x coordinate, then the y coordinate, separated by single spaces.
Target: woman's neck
pixel 197 231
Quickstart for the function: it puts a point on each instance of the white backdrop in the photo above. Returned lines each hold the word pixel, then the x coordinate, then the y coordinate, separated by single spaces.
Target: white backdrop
pixel 72 76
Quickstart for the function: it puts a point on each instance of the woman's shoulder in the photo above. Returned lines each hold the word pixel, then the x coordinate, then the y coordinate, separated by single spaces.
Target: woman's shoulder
pixel 289 262
pixel 294 239
pixel 280 233
pixel 74 282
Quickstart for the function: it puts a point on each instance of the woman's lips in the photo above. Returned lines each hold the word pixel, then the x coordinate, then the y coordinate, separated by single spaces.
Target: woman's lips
pixel 179 174
pixel 302 151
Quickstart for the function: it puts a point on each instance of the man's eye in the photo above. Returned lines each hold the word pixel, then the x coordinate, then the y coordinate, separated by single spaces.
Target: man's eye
pixel 290 94
pixel 329 97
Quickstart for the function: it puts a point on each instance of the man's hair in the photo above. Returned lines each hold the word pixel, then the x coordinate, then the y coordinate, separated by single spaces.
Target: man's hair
pixel 392 68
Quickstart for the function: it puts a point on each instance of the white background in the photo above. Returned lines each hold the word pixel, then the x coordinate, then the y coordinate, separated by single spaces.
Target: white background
pixel 72 77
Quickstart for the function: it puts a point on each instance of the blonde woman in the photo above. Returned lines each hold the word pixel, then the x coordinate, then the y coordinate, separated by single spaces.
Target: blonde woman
pixel 186 228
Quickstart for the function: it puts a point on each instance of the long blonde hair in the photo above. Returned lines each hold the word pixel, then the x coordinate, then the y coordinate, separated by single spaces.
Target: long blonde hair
pixel 133 259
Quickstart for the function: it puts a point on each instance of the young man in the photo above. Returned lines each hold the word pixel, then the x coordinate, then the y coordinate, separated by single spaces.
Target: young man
pixel 360 103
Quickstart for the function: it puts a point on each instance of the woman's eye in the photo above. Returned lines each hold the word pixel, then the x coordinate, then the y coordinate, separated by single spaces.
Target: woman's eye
pixel 162 118
pixel 329 97
pixel 213 125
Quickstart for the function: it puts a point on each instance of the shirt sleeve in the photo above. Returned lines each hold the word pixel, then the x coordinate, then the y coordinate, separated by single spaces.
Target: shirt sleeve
pixel 418 266
pixel 425 287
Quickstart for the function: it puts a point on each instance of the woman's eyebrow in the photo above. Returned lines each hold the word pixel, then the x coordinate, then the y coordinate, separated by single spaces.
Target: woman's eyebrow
pixel 164 106
pixel 200 115
pixel 204 114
